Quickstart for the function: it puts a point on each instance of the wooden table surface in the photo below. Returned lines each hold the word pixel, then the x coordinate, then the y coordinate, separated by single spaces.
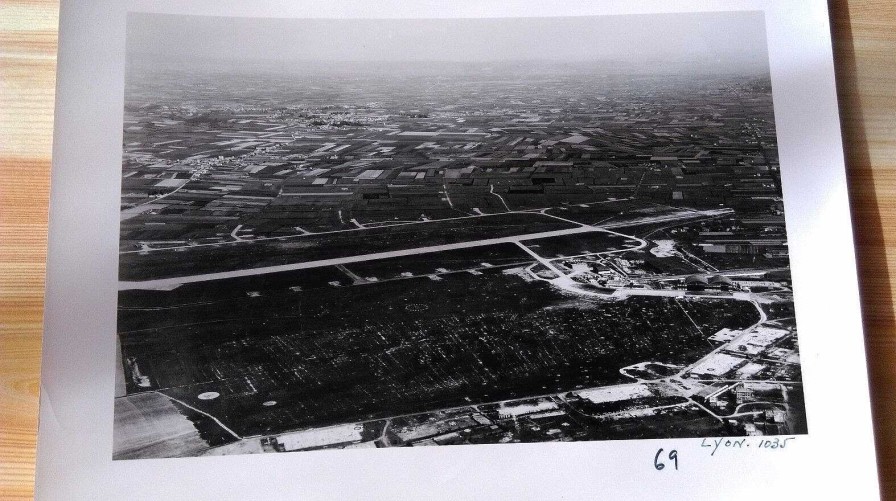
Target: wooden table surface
pixel 865 49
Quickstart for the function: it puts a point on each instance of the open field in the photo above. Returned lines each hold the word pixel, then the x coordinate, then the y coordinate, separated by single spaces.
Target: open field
pixel 221 292
pixel 149 424
pixel 574 245
pixel 441 262
pixel 194 260
pixel 608 212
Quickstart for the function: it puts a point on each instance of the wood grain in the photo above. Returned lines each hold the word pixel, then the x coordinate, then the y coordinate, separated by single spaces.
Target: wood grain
pixel 865 55
pixel 28 34
pixel 865 48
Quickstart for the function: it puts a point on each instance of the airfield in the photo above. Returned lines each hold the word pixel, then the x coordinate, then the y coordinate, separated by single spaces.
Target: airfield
pixel 349 266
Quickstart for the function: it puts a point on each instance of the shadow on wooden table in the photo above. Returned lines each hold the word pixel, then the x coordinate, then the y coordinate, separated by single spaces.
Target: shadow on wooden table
pixel 874 276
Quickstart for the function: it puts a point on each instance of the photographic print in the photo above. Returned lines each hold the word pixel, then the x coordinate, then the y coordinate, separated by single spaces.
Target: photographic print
pixel 369 233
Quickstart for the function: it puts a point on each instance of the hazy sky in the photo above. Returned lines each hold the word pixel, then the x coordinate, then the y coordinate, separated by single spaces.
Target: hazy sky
pixel 728 41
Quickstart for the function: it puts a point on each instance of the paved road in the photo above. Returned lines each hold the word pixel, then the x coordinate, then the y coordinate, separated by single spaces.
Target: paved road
pixel 367 226
pixel 169 283
pixel 670 217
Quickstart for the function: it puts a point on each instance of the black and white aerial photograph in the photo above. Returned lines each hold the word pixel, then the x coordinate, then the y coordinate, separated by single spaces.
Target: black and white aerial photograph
pixel 369 233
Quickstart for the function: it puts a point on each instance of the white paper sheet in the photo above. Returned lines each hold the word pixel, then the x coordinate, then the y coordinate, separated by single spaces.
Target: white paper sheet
pixel 166 111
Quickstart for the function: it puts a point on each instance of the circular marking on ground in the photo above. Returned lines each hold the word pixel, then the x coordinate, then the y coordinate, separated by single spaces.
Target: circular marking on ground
pixel 209 395
pixel 269 403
